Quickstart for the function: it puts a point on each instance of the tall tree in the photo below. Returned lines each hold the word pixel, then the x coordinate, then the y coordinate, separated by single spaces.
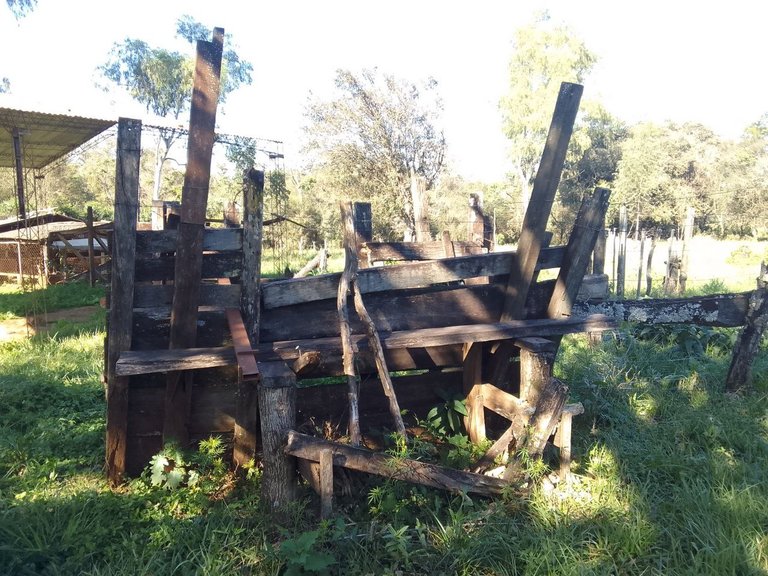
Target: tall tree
pixel 378 137
pixel 545 54
pixel 161 80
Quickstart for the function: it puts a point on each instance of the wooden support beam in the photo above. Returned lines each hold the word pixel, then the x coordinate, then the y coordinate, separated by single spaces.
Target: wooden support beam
pixel 348 348
pixel 537 356
pixel 120 324
pixel 756 322
pixel 362 460
pixel 189 253
pixel 245 328
pixel 277 409
pixel 473 389
pixel 542 198
pixel 326 483
pixel 563 437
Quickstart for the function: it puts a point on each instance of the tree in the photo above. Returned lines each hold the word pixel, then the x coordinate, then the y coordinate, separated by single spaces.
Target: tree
pixel 378 138
pixel 544 56
pixel 161 80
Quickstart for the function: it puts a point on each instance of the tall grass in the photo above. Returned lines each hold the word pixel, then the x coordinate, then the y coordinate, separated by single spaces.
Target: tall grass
pixel 669 479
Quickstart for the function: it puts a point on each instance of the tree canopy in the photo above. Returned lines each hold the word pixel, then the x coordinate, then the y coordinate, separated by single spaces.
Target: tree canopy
pixel 377 137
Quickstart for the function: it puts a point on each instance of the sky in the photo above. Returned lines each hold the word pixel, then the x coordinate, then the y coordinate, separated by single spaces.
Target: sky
pixel 675 60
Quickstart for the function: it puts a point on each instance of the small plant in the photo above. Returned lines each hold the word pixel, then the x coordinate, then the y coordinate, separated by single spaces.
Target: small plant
pixel 447 418
pixel 302 556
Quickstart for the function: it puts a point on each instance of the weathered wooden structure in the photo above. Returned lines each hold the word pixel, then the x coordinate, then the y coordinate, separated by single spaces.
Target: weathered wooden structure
pixel 461 319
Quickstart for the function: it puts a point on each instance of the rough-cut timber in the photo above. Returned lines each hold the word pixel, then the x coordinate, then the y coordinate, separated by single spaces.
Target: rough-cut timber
pixel 247 411
pixel 189 249
pixel 542 196
pixel 121 292
pixel 362 460
pixel 756 321
pixel 277 408
pixel 348 347
pixel 472 372
pixel 724 310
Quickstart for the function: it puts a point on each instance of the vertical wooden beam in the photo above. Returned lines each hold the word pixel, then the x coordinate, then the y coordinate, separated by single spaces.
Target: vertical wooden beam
pixel 563 441
pixel 277 407
pixel 326 483
pixel 247 410
pixel 621 263
pixel 540 205
pixel 19 163
pixel 363 225
pixel 189 250
pixel 537 355
pixel 756 323
pixel 690 215
pixel 581 243
pixel 348 348
pixel 123 245
pixel 448 249
pixel 91 261
pixel 473 387
pixel 649 267
pixel 640 264
pixel 598 258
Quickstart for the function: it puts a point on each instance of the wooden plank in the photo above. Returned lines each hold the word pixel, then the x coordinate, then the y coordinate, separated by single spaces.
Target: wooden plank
pixel 214 240
pixel 244 354
pixel 134 363
pixel 507 405
pixel 161 295
pixel 406 276
pixel 430 250
pixel 309 448
pixel 326 483
pixel 214 265
pixel 542 197
pixel 121 291
pixel 725 310
pixel 578 252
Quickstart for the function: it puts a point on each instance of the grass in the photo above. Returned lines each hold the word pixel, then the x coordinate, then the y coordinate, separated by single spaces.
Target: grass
pixel 16 302
pixel 670 479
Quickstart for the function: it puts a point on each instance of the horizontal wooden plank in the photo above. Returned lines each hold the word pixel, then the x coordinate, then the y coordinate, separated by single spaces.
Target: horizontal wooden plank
pixel 397 251
pixel 158 295
pixel 214 239
pixel 362 460
pixel 142 362
pixel 399 277
pixel 215 265
pixel 151 328
pixel 725 310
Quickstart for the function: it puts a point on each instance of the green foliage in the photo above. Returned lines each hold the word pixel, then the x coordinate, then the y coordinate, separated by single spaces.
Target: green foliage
pixel 301 556
pixel 447 418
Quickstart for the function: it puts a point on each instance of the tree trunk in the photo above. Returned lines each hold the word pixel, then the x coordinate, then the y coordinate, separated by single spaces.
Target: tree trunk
pixel 420 201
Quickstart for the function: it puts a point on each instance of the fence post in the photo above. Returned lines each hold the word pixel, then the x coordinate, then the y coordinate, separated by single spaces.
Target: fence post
pixel 91 262
pixel 640 263
pixel 621 266
pixel 687 235
pixel 19 262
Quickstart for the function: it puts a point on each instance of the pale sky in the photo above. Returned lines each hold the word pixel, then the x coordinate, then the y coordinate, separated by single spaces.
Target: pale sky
pixel 675 60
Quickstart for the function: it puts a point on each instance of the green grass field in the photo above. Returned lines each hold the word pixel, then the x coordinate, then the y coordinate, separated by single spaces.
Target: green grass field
pixel 669 479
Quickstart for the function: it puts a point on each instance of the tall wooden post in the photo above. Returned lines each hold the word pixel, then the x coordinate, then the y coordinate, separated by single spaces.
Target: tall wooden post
pixel 119 332
pixel 363 224
pixel 542 197
pixel 19 175
pixel 598 258
pixel 690 214
pixel 91 261
pixel 247 410
pixel 622 259
pixel 189 250
pixel 640 264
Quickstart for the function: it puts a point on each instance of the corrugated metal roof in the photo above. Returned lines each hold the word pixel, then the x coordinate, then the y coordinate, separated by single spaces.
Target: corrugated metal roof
pixel 45 137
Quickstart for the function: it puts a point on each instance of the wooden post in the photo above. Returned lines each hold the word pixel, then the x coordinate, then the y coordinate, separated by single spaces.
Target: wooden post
pixel 19 263
pixel 648 270
pixel 91 261
pixel 740 370
pixel 363 225
pixel 690 214
pixel 621 264
pixel 542 197
pixel 189 253
pixel 537 356
pixel 348 348
pixel 326 483
pixel 473 386
pixel 581 243
pixel 598 258
pixel 120 325
pixel 448 250
pixel 247 412
pixel 19 163
pixel 277 407
pixel 640 264
pixel 420 201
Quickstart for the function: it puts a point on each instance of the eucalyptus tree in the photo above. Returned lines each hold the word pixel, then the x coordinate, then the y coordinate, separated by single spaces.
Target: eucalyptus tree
pixel 161 80
pixel 545 54
pixel 377 137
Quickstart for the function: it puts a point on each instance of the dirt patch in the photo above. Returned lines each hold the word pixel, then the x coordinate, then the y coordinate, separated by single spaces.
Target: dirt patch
pixel 26 327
